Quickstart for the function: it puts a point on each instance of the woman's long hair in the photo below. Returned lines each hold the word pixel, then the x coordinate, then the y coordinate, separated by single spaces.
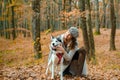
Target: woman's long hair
pixel 73 43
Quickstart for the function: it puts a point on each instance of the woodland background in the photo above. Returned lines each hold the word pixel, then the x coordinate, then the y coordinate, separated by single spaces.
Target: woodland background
pixel 26 26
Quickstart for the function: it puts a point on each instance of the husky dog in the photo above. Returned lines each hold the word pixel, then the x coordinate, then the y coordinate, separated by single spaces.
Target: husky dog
pixel 55 58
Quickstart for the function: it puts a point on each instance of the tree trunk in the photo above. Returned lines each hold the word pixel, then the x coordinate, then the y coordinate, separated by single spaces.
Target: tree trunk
pixel 1 22
pixel 64 18
pixel 4 18
pixel 113 24
pixel 13 23
pixel 104 14
pixel 67 5
pixel 8 33
pixel 97 21
pixel 48 14
pixel 59 9
pixel 90 32
pixel 83 25
pixel 36 28
pixel 117 3
pixel 52 17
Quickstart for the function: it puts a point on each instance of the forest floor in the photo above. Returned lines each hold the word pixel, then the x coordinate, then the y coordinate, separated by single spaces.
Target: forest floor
pixel 17 58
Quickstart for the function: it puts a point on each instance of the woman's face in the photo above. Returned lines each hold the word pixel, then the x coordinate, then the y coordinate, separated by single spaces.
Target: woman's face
pixel 68 36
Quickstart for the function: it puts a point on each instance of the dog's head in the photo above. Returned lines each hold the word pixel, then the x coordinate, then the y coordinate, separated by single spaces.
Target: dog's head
pixel 54 42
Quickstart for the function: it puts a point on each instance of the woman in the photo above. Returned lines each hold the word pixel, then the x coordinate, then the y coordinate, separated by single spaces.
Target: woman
pixel 71 52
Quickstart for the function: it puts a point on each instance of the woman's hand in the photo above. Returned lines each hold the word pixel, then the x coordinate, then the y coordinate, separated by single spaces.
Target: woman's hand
pixel 60 48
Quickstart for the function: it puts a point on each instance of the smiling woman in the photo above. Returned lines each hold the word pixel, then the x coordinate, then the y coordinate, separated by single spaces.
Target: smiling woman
pixel 71 53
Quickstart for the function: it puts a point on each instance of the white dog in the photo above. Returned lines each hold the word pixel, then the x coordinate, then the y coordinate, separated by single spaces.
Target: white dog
pixel 55 59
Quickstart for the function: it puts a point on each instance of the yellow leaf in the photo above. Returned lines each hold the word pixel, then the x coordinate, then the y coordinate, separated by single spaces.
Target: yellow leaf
pixel 47 31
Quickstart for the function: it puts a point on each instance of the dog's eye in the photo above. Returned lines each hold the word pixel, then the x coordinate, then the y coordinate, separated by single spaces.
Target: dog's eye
pixel 56 41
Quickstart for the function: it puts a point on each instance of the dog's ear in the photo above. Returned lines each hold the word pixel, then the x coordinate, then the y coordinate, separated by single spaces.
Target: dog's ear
pixel 52 37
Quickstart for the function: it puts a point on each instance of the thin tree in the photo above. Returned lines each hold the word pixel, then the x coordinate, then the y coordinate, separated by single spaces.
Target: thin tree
pixel 113 24
pixel 117 2
pixel 0 10
pixel 59 9
pixel 90 32
pixel 48 14
pixel 97 21
pixel 36 28
pixel 104 14
pixel 64 26
pixel 8 21
pixel 13 21
pixel 83 25
pixel 4 18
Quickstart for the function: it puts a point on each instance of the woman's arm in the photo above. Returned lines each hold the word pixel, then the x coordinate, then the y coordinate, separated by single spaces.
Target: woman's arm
pixel 67 56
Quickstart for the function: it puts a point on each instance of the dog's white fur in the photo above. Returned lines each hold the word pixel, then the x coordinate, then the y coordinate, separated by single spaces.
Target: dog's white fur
pixel 53 59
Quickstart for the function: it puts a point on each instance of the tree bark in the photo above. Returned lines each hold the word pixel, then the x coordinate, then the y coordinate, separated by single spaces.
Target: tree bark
pixel 113 24
pixel 1 22
pixel 13 23
pixel 97 21
pixel 90 32
pixel 48 14
pixel 83 25
pixel 59 9
pixel 104 14
pixel 36 28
